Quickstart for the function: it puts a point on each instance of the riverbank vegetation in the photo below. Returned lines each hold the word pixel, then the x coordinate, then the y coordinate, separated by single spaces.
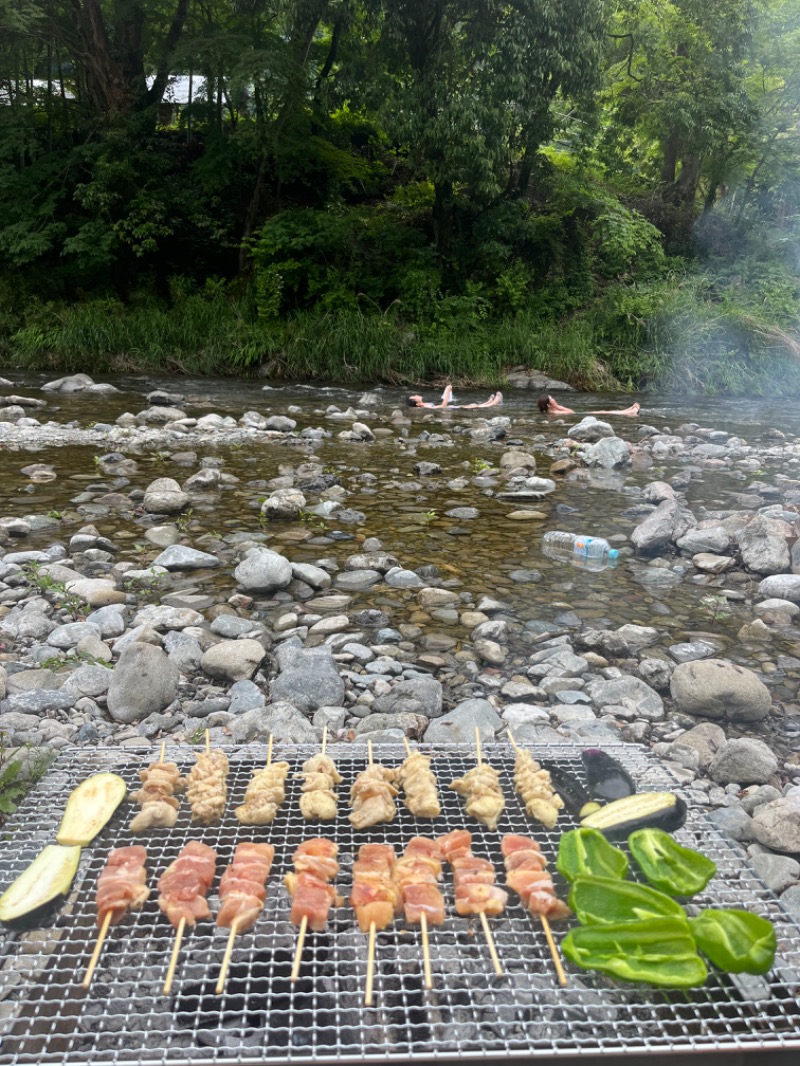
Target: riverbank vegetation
pixel 406 192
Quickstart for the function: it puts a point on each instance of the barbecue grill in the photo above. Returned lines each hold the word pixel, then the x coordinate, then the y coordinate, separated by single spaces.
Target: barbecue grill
pixel 261 1017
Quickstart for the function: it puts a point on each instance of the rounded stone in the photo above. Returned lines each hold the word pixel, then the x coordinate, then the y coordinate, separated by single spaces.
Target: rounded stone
pixel 717 688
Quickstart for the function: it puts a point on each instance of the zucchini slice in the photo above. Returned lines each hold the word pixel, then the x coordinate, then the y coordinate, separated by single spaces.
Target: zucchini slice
pixel 44 883
pixel 89 808
pixel 643 810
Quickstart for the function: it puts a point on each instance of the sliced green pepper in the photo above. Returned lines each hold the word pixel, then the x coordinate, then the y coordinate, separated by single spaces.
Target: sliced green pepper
pixel 669 866
pixel 586 852
pixel 603 901
pixel 735 941
pixel 659 951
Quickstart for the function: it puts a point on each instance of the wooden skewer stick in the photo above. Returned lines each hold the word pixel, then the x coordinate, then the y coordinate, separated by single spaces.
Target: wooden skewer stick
pixel 226 958
pixel 301 938
pixel 548 932
pixel 173 962
pixel 369 751
pixel 408 746
pixel 514 744
pixel 478 744
pixel 163 749
pixel 324 737
pixel 97 948
pixel 487 932
pixel 269 750
pixel 426 951
pixel 370 965
pixel 208 742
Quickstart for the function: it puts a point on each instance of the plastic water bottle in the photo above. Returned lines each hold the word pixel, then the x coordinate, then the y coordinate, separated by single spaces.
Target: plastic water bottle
pixel 595 548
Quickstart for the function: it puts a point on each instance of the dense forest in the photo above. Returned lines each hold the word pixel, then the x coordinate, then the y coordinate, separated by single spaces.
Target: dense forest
pixel 361 190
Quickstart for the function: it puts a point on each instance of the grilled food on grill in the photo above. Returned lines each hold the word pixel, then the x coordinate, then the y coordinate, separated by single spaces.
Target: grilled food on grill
pixel 242 888
pixel 416 874
pixel 40 886
pixel 320 778
pixel 416 779
pixel 473 877
pixel 309 886
pixel 89 808
pixel 372 797
pixel 160 782
pixel 481 786
pixel 185 883
pixel 207 786
pixel 541 800
pixel 122 885
pixel 526 875
pixel 375 897
pixel 265 795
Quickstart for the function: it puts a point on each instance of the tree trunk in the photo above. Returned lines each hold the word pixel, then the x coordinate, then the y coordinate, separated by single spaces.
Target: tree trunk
pixel 669 163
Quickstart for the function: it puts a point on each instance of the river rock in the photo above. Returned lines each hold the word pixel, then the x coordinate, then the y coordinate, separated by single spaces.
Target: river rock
pixel 590 429
pixel 233 660
pixel 280 720
pixel 162 617
pixel 164 495
pixel 184 650
pixel 705 539
pixel 95 591
pixel 608 454
pixel 283 504
pixel 245 696
pixel 781 586
pixel 144 681
pixel 670 521
pixel 67 636
pixel 706 739
pixel 777 824
pixel 778 872
pixel 181 557
pixel 263 570
pixel 717 688
pixel 745 761
pixel 627 692
pixel 308 679
pixel 89 680
pixel 460 724
pixel 418 695
pixel 762 543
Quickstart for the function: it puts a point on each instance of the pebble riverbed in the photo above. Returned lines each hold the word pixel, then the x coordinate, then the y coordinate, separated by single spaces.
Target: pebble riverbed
pixel 338 560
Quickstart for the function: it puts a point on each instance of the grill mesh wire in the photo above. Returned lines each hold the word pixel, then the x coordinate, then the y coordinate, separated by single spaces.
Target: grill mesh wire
pixel 45 1016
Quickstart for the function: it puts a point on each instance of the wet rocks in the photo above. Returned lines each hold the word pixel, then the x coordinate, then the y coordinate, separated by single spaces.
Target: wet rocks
pixel 717 688
pixel 263 570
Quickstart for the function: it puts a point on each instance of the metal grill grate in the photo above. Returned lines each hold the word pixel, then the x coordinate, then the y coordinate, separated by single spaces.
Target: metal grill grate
pixel 45 1016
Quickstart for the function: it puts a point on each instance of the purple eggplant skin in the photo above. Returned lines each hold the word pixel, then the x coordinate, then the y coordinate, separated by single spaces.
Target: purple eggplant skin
pixel 606 779
pixel 569 788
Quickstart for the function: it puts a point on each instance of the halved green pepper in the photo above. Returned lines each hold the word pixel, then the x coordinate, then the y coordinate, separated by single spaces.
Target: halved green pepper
pixel 659 951
pixel 603 901
pixel 669 866
pixel 586 852
pixel 735 941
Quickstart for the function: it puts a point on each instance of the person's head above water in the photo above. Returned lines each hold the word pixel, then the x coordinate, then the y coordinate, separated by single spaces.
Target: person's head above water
pixel 543 403
pixel 414 401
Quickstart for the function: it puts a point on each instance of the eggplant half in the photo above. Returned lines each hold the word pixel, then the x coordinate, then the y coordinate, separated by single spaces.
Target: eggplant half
pixel 89 808
pixel 644 810
pixel 607 780
pixel 40 887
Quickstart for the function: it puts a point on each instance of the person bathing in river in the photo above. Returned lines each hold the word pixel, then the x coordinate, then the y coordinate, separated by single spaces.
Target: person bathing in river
pixel 549 406
pixel 416 400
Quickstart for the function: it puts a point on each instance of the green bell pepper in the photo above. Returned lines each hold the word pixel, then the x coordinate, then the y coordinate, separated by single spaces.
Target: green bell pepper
pixel 658 951
pixel 735 941
pixel 603 901
pixel 586 852
pixel 669 866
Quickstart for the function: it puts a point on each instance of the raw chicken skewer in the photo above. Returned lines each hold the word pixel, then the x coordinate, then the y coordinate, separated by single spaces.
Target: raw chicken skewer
pixel 416 779
pixel 265 792
pixel 121 887
pixel 374 898
pixel 526 875
pixel 533 784
pixel 416 875
pixel 310 887
pixel 372 795
pixel 318 798
pixel 183 888
pixel 242 892
pixel 157 796
pixel 207 787
pixel 475 890
pixel 481 786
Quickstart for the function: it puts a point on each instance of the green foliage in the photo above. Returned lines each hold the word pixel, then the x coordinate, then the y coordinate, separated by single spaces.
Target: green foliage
pixel 17 775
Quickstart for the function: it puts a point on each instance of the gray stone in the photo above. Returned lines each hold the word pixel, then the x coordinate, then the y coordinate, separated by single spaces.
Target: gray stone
pixel 233 660
pixel 37 701
pixel 590 429
pixel 608 454
pixel 144 681
pixel 777 824
pixel 755 796
pixel 460 724
pixel 89 680
pixel 670 521
pixel 711 539
pixel 781 586
pixel 283 504
pixel 314 576
pixel 734 822
pixel 628 692
pixel 745 761
pixel 308 679
pixel 791 900
pixel 763 546
pixel 693 650
pixel 164 495
pixel 281 720
pixel 183 650
pixel 163 617
pixel 263 570
pixel 778 872
pixel 110 621
pixel 231 626
pixel 245 696
pixel 717 688
pixel 180 557
pixel 67 636
pixel 419 695
pixel 705 739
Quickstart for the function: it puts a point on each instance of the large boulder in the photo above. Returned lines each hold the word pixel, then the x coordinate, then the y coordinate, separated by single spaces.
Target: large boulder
pixel 670 521
pixel 419 695
pixel 717 688
pixel 745 761
pixel 762 543
pixel 233 660
pixel 777 824
pixel 263 570
pixel 308 679
pixel 144 681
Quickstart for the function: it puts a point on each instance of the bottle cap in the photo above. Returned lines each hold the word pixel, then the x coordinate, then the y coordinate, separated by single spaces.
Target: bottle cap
pixel 613 553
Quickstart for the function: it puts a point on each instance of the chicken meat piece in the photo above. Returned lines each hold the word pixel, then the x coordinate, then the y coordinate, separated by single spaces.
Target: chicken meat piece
pixel 372 796
pixel 320 804
pixel 158 814
pixel 484 797
pixel 533 784
pixel 207 787
pixel 265 795
pixel 419 785
pixel 322 764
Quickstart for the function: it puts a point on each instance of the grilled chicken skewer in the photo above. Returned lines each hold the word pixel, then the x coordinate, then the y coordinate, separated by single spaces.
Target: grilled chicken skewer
pixel 183 888
pixel 533 784
pixel 310 887
pixel 161 781
pixel 475 890
pixel 372 795
pixel 417 874
pixel 265 795
pixel 374 897
pixel 121 887
pixel 526 875
pixel 320 778
pixel 481 786
pixel 207 785
pixel 417 780
pixel 242 891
